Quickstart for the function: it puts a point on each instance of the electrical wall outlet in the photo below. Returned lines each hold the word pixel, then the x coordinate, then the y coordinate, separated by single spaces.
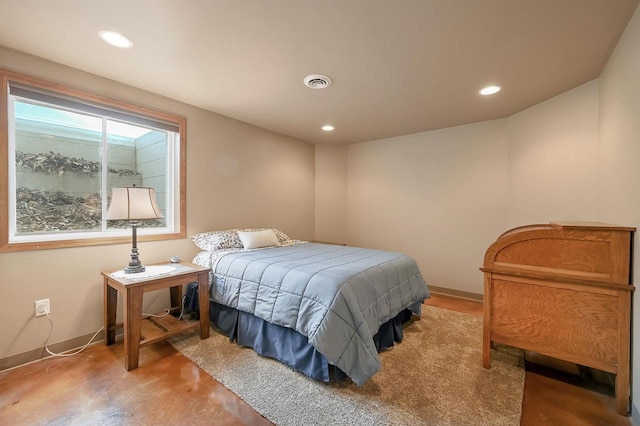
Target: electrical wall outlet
pixel 42 307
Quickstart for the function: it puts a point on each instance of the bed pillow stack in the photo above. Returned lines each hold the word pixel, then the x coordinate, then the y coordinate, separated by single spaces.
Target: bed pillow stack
pixel 230 238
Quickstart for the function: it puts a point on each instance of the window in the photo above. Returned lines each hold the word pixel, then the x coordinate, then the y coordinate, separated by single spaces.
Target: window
pixel 64 150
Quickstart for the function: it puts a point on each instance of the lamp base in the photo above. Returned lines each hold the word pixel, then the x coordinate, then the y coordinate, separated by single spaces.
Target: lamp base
pixel 135 266
pixel 134 269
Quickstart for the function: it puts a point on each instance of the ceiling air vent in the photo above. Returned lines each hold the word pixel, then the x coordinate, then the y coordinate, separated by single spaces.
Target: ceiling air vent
pixel 317 81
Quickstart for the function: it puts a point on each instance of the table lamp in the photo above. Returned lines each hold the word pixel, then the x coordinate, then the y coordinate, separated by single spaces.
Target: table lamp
pixel 133 204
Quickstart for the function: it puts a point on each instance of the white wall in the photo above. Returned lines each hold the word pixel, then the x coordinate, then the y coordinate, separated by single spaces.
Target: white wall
pixel 437 196
pixel 238 175
pixel 444 196
pixel 619 160
pixel 331 193
pixel 553 171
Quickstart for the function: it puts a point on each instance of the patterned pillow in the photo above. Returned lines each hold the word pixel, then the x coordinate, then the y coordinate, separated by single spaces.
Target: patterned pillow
pixel 227 239
pixel 217 240
pixel 282 237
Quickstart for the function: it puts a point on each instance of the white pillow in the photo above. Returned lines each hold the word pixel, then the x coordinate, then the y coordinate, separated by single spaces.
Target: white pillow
pixel 257 239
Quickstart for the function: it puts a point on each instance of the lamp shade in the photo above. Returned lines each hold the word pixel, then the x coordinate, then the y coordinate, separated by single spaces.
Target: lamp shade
pixel 133 203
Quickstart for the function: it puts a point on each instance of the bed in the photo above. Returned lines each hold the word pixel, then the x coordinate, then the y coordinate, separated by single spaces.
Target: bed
pixel 324 310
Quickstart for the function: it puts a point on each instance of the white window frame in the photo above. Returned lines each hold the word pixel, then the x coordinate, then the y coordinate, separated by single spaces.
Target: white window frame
pixel 176 173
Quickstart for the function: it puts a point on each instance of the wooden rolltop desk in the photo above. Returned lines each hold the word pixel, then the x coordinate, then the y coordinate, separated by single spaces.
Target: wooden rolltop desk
pixel 563 290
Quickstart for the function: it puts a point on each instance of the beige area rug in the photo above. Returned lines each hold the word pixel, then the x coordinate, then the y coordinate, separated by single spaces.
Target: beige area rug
pixel 434 377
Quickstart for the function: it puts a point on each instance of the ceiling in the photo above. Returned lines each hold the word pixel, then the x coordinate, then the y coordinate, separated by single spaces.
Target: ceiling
pixel 398 66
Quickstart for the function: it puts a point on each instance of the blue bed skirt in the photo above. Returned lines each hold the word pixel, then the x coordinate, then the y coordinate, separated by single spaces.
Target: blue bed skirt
pixel 290 347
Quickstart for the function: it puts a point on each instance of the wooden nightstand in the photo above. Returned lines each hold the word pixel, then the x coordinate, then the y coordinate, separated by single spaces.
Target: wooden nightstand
pixel 138 331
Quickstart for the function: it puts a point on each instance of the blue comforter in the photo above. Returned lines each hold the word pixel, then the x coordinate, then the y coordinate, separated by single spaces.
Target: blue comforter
pixel 336 296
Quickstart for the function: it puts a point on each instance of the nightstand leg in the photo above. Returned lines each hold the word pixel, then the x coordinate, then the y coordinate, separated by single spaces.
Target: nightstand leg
pixel 176 296
pixel 132 307
pixel 110 305
pixel 203 302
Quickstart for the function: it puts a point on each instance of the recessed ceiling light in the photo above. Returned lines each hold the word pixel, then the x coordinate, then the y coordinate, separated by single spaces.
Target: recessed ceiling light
pixel 317 81
pixel 115 39
pixel 327 127
pixel 490 90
